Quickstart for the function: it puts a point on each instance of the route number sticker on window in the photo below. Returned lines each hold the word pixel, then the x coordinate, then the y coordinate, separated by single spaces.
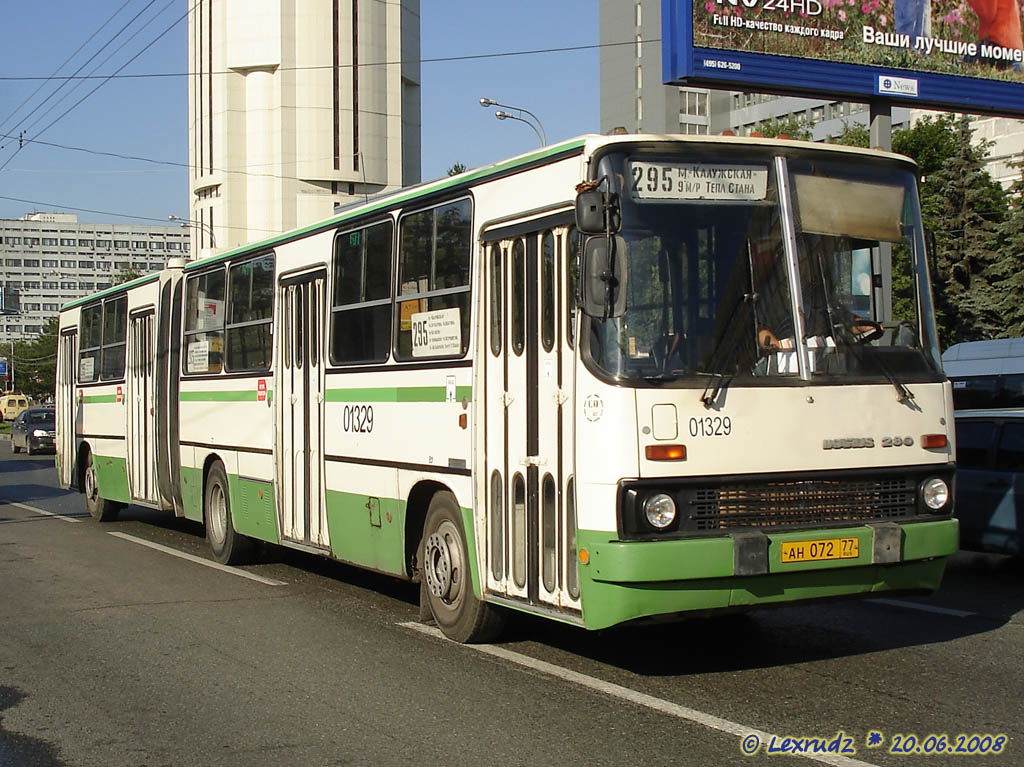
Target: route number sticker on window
pixel 697 181
pixel 437 333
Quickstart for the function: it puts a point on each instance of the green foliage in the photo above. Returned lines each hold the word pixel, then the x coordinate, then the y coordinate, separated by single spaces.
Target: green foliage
pixel 790 127
pixel 35 363
pixel 457 168
pixel 125 275
pixel 1006 272
pixel 963 207
pixel 854 134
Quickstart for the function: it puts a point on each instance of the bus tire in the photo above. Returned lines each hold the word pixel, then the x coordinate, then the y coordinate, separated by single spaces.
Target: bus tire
pixel 445 581
pixel 227 546
pixel 100 509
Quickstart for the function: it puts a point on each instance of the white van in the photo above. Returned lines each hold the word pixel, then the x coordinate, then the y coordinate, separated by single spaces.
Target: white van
pixel 11 405
pixel 986 374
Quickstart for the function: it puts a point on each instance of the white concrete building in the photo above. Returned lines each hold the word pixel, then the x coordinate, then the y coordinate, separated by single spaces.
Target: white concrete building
pixel 295 106
pixel 50 258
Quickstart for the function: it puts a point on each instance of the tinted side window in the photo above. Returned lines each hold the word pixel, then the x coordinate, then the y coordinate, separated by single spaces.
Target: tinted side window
pixel 361 306
pixel 251 311
pixel 433 281
pixel 91 333
pixel 1010 454
pixel 973 439
pixel 204 322
pixel 115 335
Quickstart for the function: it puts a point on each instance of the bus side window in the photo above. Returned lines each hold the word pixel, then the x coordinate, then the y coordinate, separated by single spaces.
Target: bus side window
pixel 361 302
pixel 433 280
pixel 204 322
pixel 115 336
pixel 91 334
pixel 250 311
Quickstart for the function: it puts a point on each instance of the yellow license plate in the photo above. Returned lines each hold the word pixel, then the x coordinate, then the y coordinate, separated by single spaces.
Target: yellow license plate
pixel 817 550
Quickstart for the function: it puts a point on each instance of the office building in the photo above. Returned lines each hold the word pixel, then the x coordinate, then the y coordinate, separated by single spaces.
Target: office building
pixel 296 106
pixel 51 258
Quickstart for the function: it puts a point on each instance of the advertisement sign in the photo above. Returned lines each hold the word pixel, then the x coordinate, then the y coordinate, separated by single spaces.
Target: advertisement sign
pixel 957 54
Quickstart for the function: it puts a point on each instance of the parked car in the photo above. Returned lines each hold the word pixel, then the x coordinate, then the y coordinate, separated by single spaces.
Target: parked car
pixel 990 479
pixel 34 430
pixel 12 404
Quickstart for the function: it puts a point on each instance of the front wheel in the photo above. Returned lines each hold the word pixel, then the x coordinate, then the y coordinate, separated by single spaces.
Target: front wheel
pixel 227 546
pixel 14 447
pixel 99 507
pixel 446 585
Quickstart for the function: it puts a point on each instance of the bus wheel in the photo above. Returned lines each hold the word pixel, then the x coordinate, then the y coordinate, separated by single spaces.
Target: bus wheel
pixel 227 546
pixel 445 583
pixel 99 507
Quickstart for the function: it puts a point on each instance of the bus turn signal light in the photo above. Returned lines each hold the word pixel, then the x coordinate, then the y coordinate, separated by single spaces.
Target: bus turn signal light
pixel 934 440
pixel 665 452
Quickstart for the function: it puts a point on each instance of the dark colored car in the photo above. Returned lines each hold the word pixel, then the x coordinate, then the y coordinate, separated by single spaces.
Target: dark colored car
pixel 990 479
pixel 34 431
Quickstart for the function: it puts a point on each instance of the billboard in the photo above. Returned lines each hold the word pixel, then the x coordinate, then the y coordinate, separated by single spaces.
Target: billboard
pixel 964 55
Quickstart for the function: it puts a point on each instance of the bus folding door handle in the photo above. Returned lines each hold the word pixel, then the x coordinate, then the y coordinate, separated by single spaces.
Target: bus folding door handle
pixel 507 398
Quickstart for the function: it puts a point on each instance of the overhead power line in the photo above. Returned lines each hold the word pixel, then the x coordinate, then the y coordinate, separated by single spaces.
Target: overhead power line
pixel 432 60
pixel 65 62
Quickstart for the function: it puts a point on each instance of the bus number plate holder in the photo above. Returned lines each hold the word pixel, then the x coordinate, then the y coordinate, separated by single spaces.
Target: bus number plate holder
pixel 820 549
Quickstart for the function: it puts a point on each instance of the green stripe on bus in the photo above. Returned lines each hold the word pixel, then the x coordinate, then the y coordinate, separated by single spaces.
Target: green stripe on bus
pixel 98 398
pixel 398 394
pixel 247 395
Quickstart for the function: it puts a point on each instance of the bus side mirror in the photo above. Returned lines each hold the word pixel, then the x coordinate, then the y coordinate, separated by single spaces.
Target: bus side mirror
pixel 590 212
pixel 604 277
pixel 598 212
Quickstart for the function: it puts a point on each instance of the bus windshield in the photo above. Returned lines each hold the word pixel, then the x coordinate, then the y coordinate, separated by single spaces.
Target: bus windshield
pixel 766 271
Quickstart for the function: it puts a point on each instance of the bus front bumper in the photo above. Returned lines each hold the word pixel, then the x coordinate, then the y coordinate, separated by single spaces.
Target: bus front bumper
pixel 629 580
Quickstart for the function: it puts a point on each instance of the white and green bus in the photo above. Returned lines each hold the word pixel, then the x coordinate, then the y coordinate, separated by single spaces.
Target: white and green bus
pixel 621 378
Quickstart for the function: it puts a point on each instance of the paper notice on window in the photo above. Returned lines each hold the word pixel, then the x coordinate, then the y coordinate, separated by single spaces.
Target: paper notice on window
pixel 87 369
pixel 697 181
pixel 437 333
pixel 198 360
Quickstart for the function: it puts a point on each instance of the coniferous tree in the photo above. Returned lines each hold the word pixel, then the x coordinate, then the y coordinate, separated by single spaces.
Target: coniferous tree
pixel 965 209
pixel 1007 270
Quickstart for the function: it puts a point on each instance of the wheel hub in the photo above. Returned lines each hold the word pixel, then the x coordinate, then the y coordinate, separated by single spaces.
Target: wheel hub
pixel 438 566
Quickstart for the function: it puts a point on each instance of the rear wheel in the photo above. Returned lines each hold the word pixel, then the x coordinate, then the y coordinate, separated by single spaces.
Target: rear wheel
pixel 446 584
pixel 99 507
pixel 227 546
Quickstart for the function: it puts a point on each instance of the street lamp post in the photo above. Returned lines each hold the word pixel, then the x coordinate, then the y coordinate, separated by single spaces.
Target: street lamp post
pixel 538 128
pixel 201 225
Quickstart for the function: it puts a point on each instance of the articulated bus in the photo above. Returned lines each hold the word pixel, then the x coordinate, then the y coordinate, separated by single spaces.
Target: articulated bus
pixel 621 378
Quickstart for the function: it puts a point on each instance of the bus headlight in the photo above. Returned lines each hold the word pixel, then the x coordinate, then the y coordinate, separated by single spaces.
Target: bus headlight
pixel 660 510
pixel 935 493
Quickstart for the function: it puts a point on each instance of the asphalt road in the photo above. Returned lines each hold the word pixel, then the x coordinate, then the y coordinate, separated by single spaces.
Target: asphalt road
pixel 113 652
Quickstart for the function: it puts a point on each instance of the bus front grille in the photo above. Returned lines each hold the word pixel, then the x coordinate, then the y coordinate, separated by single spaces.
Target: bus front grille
pixel 798 503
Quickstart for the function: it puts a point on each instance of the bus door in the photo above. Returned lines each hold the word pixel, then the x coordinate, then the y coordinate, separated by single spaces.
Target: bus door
pixel 142 479
pixel 530 521
pixel 300 391
pixel 67 407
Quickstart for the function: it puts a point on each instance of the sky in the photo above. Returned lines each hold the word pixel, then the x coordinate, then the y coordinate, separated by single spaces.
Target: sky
pixel 142 113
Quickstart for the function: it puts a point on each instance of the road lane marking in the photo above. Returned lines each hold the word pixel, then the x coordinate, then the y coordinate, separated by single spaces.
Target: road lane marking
pixel 925 608
pixel 37 510
pixel 632 696
pixel 199 560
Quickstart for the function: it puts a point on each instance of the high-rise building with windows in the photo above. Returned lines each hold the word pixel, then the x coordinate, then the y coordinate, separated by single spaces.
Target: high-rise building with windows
pixel 294 106
pixel 51 258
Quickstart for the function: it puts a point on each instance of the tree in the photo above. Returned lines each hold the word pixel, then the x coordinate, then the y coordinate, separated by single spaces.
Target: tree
pixel 964 207
pixel 854 134
pixel 125 274
pixel 1006 273
pixel 790 127
pixel 457 168
pixel 35 363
